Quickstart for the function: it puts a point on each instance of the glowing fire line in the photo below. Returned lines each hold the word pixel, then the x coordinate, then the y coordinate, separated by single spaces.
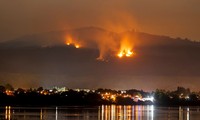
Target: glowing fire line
pixel 127 53
pixel 69 42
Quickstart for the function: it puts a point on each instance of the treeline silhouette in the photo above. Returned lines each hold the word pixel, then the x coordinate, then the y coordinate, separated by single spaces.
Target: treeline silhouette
pixel 181 97
pixel 45 97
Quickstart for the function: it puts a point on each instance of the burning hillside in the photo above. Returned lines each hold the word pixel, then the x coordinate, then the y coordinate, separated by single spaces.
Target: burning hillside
pixel 107 44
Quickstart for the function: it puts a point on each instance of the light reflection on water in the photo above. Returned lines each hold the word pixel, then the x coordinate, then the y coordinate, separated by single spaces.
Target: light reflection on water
pixel 104 112
pixel 127 112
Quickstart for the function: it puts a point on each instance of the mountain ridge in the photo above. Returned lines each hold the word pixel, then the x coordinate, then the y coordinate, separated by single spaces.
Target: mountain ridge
pixel 57 38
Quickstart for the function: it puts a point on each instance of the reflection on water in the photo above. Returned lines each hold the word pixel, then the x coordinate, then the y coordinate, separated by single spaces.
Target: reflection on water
pixel 104 112
pixel 7 113
pixel 127 112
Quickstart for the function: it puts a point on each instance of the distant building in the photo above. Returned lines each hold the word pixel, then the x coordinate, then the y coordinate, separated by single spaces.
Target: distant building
pixel 85 90
pixel 60 89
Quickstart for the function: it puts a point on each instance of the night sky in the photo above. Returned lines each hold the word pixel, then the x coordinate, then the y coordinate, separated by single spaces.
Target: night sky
pixel 34 50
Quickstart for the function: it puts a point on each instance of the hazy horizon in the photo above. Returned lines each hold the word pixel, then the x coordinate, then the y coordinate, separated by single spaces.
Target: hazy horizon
pixel 175 18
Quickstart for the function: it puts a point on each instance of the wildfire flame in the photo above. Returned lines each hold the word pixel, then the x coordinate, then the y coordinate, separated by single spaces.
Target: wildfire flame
pixel 125 49
pixel 77 46
pixel 125 52
pixel 69 41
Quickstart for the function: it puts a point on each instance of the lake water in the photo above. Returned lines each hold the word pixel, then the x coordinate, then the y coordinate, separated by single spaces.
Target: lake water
pixel 104 112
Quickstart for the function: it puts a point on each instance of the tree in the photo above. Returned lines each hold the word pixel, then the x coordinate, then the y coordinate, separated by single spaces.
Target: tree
pixel 2 89
pixel 9 87
pixel 40 89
